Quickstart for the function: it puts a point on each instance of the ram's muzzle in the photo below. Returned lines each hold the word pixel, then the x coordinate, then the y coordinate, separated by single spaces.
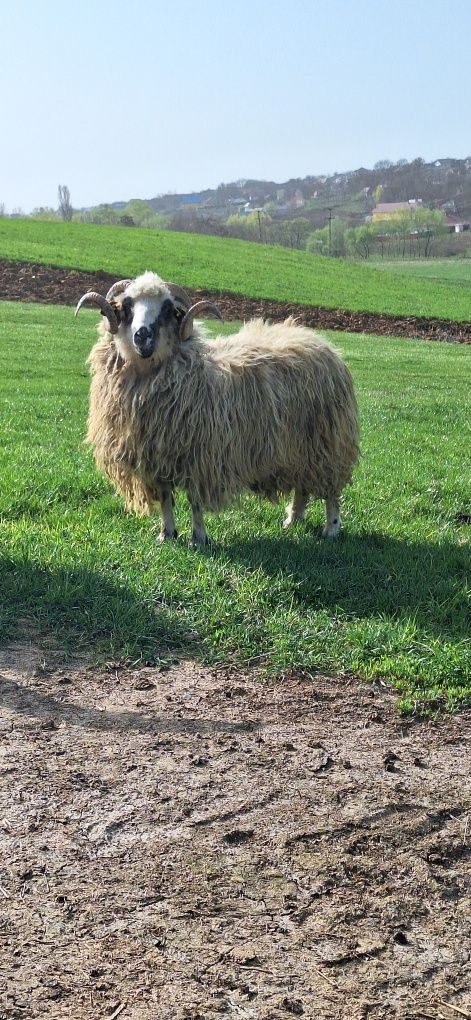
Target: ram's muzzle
pixel 144 340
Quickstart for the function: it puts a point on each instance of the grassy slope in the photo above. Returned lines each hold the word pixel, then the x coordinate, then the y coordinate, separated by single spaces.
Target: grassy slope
pixel 456 271
pixel 227 264
pixel 390 598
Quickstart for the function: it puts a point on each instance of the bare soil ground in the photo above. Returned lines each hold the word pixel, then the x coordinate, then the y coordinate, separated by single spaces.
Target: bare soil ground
pixel 189 844
pixel 24 281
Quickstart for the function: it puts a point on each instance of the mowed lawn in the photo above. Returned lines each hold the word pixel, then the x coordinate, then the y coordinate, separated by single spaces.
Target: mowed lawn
pixel 389 599
pixel 226 264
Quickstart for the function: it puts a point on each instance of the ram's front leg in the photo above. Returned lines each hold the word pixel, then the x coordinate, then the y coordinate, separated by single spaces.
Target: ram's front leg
pixel 168 529
pixel 198 535
pixel 332 515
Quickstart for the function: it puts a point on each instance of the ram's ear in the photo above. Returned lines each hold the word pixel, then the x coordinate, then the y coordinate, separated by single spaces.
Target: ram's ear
pixel 179 313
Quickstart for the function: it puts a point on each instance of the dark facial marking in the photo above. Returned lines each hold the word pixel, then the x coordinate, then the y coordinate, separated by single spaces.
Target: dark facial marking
pixel 167 312
pixel 126 310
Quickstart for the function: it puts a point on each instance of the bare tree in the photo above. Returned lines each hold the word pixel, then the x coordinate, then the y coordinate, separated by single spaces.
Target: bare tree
pixel 2 208
pixel 65 205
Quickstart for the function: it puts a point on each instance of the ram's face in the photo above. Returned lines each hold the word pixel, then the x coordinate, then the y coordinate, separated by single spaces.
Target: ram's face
pixel 146 317
pixel 148 327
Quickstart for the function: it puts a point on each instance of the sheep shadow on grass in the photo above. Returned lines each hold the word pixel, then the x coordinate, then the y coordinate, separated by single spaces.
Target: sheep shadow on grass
pixel 368 575
pixel 84 610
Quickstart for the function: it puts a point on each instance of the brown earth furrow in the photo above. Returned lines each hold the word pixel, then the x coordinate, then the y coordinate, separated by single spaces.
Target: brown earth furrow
pixel 27 281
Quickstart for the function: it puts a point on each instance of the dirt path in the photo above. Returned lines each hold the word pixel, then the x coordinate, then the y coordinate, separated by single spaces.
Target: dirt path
pixel 188 844
pixel 24 281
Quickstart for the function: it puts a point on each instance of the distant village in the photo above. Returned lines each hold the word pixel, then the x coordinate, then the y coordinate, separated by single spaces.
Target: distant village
pixel 437 185
pixel 282 207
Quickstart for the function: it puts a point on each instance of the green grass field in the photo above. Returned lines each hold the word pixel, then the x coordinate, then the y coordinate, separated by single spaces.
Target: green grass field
pixel 389 599
pixel 456 271
pixel 226 264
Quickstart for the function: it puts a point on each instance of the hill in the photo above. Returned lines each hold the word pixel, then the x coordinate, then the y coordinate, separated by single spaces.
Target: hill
pixel 442 181
pixel 226 264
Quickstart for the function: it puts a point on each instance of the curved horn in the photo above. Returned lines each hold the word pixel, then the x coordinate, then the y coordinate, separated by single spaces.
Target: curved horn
pixel 180 294
pixel 117 288
pixel 92 298
pixel 196 310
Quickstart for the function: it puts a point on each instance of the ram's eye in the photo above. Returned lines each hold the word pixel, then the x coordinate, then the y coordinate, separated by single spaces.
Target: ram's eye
pixel 126 311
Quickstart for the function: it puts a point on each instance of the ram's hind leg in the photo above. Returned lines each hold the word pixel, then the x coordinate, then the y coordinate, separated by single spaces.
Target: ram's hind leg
pixel 198 535
pixel 297 508
pixel 168 529
pixel 332 514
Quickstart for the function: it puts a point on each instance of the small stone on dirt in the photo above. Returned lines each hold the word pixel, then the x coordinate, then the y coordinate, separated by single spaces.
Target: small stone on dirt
pixel 238 836
pixel 294 1006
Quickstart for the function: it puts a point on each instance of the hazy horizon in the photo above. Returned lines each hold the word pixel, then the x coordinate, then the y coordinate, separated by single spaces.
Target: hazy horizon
pixel 250 177
pixel 135 103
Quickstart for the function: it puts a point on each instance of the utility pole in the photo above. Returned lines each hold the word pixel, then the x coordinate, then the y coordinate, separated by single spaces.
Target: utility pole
pixel 329 210
pixel 259 224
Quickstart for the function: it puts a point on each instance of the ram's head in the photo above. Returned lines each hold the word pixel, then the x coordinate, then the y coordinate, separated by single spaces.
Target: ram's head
pixel 146 315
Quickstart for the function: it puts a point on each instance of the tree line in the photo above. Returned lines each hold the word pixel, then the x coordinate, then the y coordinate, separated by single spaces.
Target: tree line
pixel 410 234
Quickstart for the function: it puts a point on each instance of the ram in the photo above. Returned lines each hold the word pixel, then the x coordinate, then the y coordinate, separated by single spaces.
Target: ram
pixel 270 409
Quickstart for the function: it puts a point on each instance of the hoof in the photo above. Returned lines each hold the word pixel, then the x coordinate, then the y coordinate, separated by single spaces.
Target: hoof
pixel 166 535
pixel 199 541
pixel 331 530
pixel 289 521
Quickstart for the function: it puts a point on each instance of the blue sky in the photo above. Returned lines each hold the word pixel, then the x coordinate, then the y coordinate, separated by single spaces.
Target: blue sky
pixel 121 100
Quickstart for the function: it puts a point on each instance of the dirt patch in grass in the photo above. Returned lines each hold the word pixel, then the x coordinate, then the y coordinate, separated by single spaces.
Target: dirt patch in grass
pixel 25 281
pixel 186 844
